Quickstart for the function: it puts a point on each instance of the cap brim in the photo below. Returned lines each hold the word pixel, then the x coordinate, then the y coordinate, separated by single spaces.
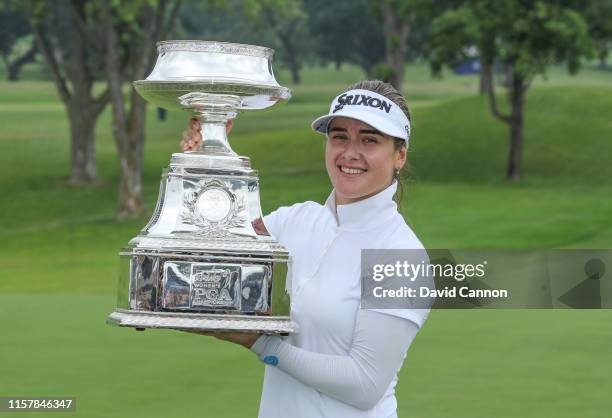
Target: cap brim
pixel 380 123
pixel 321 123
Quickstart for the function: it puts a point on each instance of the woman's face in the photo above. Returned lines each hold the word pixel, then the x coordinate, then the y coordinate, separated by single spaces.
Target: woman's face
pixel 360 160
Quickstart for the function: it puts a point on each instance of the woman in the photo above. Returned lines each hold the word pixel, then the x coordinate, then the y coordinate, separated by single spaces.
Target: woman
pixel 344 360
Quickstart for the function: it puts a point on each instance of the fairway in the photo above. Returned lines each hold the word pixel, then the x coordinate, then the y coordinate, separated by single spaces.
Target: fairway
pixel 464 363
pixel 60 243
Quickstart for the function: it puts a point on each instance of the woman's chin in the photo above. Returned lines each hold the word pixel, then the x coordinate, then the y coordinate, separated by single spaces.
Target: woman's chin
pixel 349 195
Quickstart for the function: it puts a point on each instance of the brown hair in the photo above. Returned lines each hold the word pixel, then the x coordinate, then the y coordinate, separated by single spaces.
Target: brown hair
pixel 391 93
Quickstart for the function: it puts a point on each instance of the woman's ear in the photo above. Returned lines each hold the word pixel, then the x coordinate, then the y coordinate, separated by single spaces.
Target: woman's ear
pixel 400 159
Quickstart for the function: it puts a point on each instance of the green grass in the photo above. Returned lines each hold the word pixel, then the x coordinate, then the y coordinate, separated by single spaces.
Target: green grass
pixel 59 252
pixel 463 363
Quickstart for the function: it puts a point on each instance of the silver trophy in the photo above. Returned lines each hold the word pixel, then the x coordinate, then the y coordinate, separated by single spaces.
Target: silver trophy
pixel 200 263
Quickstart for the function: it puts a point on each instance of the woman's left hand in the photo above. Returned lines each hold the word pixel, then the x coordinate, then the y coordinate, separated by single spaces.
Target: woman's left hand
pixel 245 339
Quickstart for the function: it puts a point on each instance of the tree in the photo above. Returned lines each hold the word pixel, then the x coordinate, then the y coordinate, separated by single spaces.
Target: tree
pixel 525 37
pixel 401 20
pixel 457 37
pixel 286 19
pixel 17 45
pixel 346 31
pixel 398 17
pixel 280 24
pixel 130 31
pixel 67 36
pixel 332 25
pixel 598 14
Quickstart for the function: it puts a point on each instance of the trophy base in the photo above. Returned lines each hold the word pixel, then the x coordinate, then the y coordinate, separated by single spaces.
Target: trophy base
pixel 276 325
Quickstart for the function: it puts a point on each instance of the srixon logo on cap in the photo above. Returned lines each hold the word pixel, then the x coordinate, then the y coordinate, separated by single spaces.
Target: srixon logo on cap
pixel 363 100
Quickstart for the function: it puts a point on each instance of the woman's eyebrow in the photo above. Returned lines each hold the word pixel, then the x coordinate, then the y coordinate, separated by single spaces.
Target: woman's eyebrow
pixel 337 129
pixel 370 131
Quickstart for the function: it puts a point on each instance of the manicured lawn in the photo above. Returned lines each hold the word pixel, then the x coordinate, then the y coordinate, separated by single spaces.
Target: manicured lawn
pixel 464 363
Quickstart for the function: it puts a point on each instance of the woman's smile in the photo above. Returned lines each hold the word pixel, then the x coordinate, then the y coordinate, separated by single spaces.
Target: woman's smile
pixel 351 171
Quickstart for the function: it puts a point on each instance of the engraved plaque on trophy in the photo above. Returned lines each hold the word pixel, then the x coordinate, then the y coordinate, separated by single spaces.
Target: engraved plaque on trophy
pixel 199 263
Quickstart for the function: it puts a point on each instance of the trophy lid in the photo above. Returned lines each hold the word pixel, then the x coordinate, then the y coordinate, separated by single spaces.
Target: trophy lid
pixel 219 68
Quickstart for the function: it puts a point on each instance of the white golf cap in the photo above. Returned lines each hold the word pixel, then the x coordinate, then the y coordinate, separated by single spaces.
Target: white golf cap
pixel 368 107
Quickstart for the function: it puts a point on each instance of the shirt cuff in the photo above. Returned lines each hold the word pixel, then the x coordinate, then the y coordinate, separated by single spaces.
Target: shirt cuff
pixel 266 345
pixel 259 345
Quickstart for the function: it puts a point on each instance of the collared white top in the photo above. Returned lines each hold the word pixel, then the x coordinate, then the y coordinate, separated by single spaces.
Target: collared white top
pixel 324 282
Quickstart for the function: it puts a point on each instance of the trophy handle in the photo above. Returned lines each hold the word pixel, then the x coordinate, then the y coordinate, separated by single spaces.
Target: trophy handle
pixel 213 111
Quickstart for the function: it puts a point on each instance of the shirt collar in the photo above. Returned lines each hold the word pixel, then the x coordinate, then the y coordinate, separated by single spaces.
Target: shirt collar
pixel 364 214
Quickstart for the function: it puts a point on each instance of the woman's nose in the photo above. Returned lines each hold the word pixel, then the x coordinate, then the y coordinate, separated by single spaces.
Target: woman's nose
pixel 351 150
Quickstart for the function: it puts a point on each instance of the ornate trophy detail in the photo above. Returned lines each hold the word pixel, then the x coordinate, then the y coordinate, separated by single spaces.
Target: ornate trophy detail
pixel 199 263
pixel 213 208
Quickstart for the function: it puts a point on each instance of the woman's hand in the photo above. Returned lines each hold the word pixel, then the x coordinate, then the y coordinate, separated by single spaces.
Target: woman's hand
pixel 192 138
pixel 245 339
pixel 260 227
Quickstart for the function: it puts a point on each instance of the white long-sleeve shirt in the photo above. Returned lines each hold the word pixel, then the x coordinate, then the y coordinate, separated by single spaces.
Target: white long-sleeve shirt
pixel 312 373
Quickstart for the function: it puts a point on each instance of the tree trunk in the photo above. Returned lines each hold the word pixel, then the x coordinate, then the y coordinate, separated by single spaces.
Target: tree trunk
pixel 82 145
pixel 128 131
pixel 13 72
pixel 517 101
pixel 486 74
pixel 131 198
pixel 129 139
pixel 295 71
pixel 82 107
pixel 603 58
pixel 131 201
pixel 15 67
pixel 129 121
pixel 396 32
pixel 292 58
pixel 82 116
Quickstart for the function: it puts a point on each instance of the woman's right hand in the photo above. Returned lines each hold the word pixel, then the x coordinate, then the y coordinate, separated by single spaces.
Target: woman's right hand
pixel 192 137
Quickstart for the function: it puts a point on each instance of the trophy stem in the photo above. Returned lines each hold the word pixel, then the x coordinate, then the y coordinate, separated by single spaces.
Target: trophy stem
pixel 213 111
pixel 215 141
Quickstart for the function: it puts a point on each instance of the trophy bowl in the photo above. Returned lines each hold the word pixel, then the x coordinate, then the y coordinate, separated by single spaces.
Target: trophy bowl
pixel 187 68
pixel 200 263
